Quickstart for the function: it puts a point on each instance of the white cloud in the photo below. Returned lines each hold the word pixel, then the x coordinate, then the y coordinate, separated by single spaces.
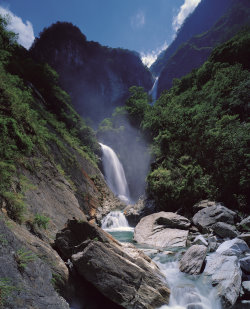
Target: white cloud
pixel 24 30
pixel 149 58
pixel 186 9
pixel 138 20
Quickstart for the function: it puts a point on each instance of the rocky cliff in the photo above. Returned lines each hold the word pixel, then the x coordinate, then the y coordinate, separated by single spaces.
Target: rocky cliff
pixel 97 77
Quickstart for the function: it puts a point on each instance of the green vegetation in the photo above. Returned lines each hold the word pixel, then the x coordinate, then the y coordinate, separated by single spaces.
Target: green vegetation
pixel 57 281
pixel 36 116
pixel 200 132
pixel 23 257
pixel 41 221
pixel 6 289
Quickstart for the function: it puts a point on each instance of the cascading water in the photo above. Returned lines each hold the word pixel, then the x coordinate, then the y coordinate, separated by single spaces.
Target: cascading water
pixel 153 91
pixel 114 173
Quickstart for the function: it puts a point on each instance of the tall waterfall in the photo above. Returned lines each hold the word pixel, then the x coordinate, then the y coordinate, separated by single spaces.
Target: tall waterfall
pixel 153 91
pixel 114 173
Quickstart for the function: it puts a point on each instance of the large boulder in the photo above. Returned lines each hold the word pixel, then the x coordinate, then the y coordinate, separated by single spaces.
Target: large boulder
pixel 245 237
pixel 135 212
pixel 205 218
pixel 235 247
pixel 122 273
pixel 162 229
pixel 225 230
pixel 225 274
pixel 244 225
pixel 193 260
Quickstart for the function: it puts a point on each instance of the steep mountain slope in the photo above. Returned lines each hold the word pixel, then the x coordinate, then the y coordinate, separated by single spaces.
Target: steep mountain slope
pixel 201 20
pixel 49 174
pixel 97 77
pixel 196 50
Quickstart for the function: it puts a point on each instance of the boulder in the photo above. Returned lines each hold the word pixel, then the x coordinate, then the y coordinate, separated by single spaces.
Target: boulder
pixel 245 264
pixel 244 225
pixel 245 237
pixel 225 230
pixel 225 274
pixel 135 212
pixel 122 273
pixel 203 204
pixel 205 218
pixel 200 240
pixel 193 260
pixel 246 289
pixel 212 243
pixel 162 229
pixel 235 247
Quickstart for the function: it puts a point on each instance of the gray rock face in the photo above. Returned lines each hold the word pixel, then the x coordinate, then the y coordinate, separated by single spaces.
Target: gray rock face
pixel 225 274
pixel 120 272
pixel 235 247
pixel 205 218
pixel 29 284
pixel 162 229
pixel 245 264
pixel 135 212
pixel 225 230
pixel 193 260
pixel 244 225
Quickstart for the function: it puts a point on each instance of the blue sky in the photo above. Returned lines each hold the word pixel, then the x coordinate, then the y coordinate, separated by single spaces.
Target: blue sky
pixel 146 26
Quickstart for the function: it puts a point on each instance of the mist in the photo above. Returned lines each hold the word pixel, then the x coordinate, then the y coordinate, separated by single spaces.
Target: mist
pixel 132 150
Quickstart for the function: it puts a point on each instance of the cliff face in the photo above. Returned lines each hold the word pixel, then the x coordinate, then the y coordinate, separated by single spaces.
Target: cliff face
pixel 190 49
pixel 97 77
pixel 49 174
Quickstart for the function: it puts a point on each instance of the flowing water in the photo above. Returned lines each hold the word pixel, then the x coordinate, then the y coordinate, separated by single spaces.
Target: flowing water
pixel 114 173
pixel 187 292
pixel 153 91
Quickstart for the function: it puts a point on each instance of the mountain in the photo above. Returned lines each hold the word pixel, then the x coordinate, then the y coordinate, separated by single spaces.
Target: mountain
pixel 97 77
pixel 197 38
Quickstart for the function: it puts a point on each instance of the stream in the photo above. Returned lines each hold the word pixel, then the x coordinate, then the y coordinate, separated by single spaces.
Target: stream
pixel 187 292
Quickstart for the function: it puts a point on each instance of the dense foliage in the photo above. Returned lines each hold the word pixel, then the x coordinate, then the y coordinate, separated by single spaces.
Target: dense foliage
pixel 35 113
pixel 200 132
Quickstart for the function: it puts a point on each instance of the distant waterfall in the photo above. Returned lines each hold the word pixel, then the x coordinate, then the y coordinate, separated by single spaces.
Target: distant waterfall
pixel 153 91
pixel 114 173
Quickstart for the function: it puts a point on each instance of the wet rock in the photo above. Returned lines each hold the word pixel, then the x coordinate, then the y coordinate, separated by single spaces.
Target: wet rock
pixel 245 264
pixel 244 225
pixel 205 218
pixel 162 229
pixel 122 273
pixel 235 247
pixel 193 260
pixel 135 212
pixel 200 240
pixel 225 274
pixel 224 230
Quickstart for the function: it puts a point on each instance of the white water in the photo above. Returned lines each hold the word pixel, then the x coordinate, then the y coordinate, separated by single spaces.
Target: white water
pixel 187 292
pixel 114 173
pixel 153 91
pixel 116 221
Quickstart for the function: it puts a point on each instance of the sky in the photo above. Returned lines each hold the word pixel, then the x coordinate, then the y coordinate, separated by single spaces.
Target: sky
pixel 145 26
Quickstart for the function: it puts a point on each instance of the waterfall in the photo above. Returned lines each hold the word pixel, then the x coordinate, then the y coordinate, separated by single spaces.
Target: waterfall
pixel 153 91
pixel 114 173
pixel 116 221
